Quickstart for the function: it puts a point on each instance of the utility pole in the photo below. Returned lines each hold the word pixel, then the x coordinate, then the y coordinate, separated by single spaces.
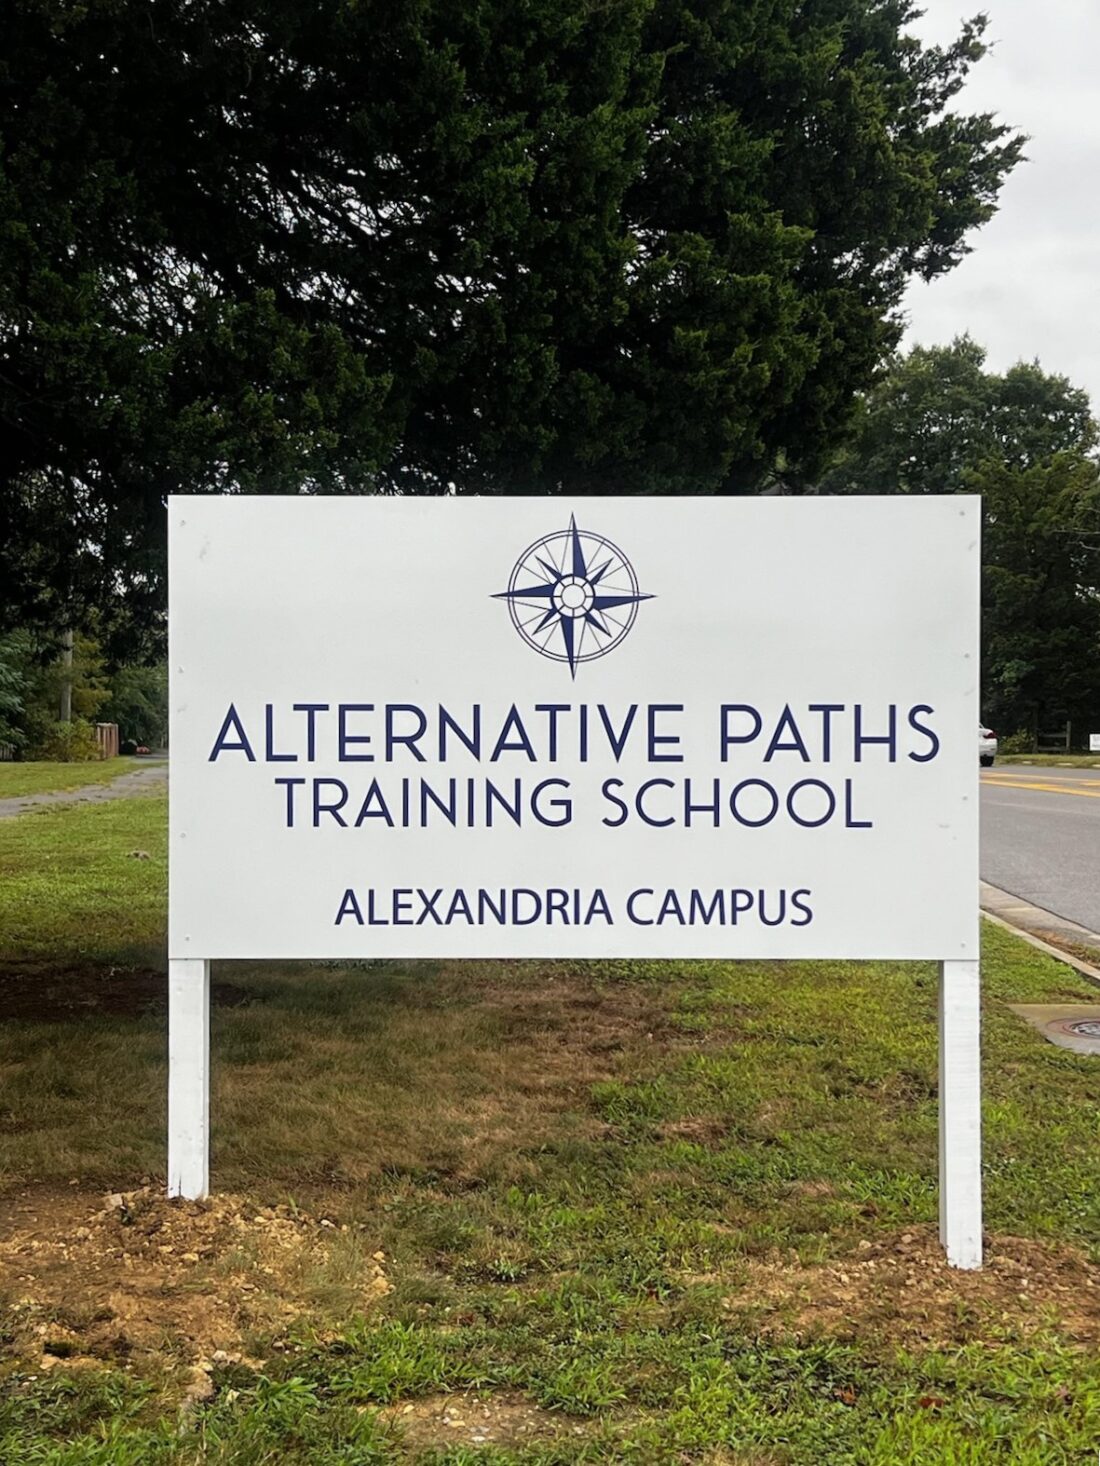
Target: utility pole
pixel 67 676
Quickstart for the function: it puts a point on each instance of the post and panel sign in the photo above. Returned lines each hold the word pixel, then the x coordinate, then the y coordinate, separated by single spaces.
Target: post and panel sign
pixel 525 727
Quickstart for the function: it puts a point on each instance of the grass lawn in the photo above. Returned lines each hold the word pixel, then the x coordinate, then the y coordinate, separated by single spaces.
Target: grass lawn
pixel 44 778
pixel 1052 760
pixel 521 1212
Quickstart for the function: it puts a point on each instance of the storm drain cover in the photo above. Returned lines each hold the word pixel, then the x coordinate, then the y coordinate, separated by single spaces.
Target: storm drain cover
pixel 1071 1026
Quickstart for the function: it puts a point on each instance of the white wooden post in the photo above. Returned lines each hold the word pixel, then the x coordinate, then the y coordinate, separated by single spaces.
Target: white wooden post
pixel 188 1077
pixel 960 1114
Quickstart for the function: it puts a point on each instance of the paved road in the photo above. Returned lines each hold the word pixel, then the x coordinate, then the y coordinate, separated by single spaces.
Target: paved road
pixel 1041 837
pixel 119 788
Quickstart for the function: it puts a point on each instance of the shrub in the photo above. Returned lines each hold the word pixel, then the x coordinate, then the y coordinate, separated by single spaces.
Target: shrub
pixel 69 743
pixel 1021 742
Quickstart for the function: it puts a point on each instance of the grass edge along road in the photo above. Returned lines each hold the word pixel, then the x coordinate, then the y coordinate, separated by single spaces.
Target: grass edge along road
pixel 521 1212
pixel 1050 760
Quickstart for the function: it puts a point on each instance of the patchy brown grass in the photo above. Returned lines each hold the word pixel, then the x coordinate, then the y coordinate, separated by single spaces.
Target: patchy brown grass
pixel 625 1210
pixel 461 1079
pixel 322 1079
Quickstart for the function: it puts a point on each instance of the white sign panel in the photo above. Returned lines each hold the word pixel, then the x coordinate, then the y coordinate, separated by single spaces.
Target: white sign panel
pixel 554 727
pixel 1094 743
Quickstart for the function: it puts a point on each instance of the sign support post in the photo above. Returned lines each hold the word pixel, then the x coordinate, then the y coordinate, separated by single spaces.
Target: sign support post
pixel 188 1078
pixel 960 1143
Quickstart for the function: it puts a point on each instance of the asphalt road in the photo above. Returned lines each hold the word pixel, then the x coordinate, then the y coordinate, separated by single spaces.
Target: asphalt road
pixel 1041 838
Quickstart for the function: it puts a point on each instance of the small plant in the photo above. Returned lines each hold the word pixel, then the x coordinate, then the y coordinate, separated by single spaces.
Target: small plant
pixel 506 1269
pixel 1019 742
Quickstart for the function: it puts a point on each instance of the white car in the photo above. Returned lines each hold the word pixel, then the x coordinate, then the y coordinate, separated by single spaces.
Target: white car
pixel 987 746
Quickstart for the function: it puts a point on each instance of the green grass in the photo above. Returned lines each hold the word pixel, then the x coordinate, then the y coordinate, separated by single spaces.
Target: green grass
pixel 1052 760
pixel 575 1171
pixel 697 1397
pixel 44 778
pixel 72 886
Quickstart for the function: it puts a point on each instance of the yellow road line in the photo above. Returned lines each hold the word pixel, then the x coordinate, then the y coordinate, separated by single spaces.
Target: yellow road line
pixel 1050 774
pixel 1011 776
pixel 1046 788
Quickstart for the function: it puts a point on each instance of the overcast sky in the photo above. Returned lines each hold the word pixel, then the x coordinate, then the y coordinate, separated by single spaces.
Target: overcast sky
pixel 1031 287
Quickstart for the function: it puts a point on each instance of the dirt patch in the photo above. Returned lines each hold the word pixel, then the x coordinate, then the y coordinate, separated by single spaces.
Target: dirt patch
pixel 696 1130
pixel 899 1290
pixel 51 992
pixel 497 1420
pixel 136 1276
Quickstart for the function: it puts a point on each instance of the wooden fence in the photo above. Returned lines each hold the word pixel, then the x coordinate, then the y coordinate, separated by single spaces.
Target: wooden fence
pixel 106 735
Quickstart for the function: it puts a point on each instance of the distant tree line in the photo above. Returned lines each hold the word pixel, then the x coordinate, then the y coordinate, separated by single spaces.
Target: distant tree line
pixel 938 422
pixel 32 675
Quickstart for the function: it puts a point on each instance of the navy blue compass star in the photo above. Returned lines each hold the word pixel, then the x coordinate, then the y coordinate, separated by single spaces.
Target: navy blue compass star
pixel 573 596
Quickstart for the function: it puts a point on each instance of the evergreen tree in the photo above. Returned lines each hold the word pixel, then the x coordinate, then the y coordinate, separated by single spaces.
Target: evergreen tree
pixel 505 245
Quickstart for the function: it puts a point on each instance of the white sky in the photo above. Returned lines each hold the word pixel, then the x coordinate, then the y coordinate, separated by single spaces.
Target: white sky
pixel 1031 287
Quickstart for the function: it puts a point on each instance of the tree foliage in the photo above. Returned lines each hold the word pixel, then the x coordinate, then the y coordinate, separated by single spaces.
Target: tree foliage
pixel 138 703
pixel 1024 440
pixel 509 245
pixel 31 675
pixel 13 690
pixel 1041 593
pixel 937 414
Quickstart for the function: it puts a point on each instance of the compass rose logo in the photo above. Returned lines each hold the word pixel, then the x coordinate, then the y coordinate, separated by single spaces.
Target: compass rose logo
pixel 573 596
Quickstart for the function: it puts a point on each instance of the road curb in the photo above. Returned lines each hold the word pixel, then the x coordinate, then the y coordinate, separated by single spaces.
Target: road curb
pixel 1030 922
